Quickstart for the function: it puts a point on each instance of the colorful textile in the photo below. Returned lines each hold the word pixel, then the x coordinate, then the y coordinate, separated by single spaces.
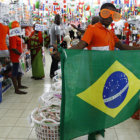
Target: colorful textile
pixel 100 89
pixel 4 30
pixel 28 31
pixel 46 40
pixel 15 43
pixel 98 36
pixel 35 46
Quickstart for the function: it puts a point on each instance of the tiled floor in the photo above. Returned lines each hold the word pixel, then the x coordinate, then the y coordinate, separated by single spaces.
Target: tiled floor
pixel 15 110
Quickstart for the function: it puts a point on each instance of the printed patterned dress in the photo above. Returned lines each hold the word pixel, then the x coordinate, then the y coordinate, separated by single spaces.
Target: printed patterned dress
pixel 46 40
pixel 35 47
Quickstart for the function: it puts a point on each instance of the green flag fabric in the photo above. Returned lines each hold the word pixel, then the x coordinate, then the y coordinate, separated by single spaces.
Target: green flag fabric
pixel 100 89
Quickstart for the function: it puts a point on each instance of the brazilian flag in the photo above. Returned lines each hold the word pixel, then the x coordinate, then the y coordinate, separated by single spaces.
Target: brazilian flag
pixel 100 89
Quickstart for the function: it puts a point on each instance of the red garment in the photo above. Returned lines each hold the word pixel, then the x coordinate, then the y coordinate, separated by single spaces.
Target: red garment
pixel 15 42
pixel 112 27
pixel 4 30
pixel 35 44
pixel 39 35
pixel 98 36
pixel 28 31
pixel 127 33
pixel 136 115
pixel 126 1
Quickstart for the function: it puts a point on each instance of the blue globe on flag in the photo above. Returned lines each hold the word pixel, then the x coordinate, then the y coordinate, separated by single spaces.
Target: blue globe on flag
pixel 115 89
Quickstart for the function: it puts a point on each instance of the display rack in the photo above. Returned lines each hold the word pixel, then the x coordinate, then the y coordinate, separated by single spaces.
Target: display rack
pixel 6 68
pixel 5 74
pixel 20 13
pixel 9 84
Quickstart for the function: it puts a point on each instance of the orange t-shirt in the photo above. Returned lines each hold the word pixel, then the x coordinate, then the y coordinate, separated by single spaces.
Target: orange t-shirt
pixel 15 43
pixel 4 30
pixel 100 38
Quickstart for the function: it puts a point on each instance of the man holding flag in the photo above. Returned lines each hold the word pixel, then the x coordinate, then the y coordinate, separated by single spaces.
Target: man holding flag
pixel 98 37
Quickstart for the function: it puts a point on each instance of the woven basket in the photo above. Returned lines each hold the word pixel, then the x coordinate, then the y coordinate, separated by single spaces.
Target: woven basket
pixel 43 130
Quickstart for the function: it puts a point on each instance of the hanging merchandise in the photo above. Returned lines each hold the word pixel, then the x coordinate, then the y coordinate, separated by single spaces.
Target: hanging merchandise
pixel 55 12
pixel 98 1
pixel 4 30
pixel 37 4
pixel 92 11
pixel 21 13
pixel 87 7
pixel 126 1
pixel 55 3
pixel 14 24
pixel 4 13
pixel 112 27
pixel 81 5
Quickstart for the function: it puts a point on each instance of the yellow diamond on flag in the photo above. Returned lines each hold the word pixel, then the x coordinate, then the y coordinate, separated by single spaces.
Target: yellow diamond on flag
pixel 113 90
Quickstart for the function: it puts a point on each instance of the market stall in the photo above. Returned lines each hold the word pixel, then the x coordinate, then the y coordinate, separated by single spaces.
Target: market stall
pixel 41 13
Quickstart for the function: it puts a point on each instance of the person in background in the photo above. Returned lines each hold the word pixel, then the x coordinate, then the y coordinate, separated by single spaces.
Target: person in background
pixel 28 30
pixel 35 42
pixel 54 41
pixel 134 33
pixel 46 39
pixel 118 32
pixel 79 33
pixel 126 33
pixel 94 20
pixel 15 48
pixel 71 32
pixel 98 37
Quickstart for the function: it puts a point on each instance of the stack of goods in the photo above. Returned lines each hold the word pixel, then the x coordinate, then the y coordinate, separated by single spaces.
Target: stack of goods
pixel 53 96
pixel 46 118
pixel 74 42
pixel 4 13
pixel 47 122
pixel 57 77
pixel 21 13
